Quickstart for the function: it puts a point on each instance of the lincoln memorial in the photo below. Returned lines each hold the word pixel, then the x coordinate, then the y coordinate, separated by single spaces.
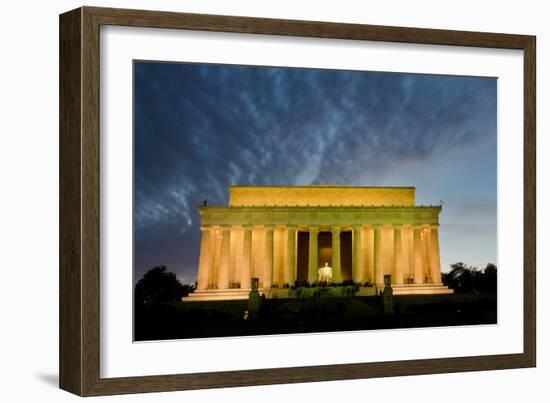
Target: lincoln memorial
pixel 292 237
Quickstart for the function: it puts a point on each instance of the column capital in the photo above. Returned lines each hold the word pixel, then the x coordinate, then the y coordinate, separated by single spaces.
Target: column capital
pixel 225 227
pixel 336 228
pixel 313 229
pixel 247 226
pixel 206 227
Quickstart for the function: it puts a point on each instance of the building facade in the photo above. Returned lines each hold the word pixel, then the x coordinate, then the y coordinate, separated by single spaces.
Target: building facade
pixel 284 235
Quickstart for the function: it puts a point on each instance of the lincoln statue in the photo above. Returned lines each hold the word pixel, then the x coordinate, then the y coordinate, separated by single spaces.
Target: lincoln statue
pixel 288 237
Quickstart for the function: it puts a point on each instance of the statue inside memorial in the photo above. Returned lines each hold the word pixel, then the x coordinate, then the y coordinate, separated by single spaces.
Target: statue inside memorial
pixel 325 274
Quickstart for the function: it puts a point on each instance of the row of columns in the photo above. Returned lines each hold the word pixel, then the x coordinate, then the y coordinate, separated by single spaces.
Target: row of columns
pixel 241 256
pixel 231 256
pixel 410 253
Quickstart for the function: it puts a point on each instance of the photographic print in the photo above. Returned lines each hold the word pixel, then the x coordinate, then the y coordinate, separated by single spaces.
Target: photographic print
pixel 279 200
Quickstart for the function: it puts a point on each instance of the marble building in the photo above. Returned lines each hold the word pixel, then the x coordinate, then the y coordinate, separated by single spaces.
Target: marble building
pixel 288 236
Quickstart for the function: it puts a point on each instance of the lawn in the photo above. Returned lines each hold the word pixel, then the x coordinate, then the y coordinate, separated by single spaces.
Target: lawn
pixel 185 320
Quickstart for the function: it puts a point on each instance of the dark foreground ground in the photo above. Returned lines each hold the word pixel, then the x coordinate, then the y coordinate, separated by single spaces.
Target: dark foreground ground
pixel 185 320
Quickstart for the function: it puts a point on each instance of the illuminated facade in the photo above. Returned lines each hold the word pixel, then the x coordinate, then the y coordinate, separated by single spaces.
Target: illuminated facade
pixel 284 235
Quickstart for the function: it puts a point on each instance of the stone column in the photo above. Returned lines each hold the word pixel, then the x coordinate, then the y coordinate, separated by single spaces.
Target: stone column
pixel 427 266
pixel 256 266
pixel 388 252
pixel 268 268
pixel 313 255
pixel 204 259
pixel 418 262
pixel 357 263
pixel 336 264
pixel 290 276
pixel 378 268
pixel 399 255
pixel 223 273
pixel 247 255
pixel 215 236
pixel 369 254
pixel 235 255
pixel 278 259
pixel 408 247
pixel 434 254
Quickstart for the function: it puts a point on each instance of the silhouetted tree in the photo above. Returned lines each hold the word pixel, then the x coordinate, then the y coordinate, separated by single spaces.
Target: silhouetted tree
pixel 489 283
pixel 160 285
pixel 469 279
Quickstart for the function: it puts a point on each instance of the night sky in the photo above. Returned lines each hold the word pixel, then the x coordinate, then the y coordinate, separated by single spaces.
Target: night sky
pixel 199 128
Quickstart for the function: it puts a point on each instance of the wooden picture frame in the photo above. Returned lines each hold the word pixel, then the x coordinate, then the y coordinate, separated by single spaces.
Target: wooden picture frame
pixel 79 346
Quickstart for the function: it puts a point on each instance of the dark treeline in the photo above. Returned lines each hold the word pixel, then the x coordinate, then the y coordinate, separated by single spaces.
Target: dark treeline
pixel 160 285
pixel 469 279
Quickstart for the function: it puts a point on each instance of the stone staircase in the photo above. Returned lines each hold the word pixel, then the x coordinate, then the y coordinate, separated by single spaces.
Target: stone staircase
pixel 218 295
pixel 285 293
pixel 421 289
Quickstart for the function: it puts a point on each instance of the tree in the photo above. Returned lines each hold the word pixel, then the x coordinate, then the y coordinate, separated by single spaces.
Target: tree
pixel 469 279
pixel 159 285
pixel 489 283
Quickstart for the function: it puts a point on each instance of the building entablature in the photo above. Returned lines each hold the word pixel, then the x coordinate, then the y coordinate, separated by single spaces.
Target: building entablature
pixel 323 216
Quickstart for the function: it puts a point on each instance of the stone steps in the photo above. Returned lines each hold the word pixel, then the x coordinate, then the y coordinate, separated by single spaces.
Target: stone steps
pixel 240 294
pixel 218 295
pixel 421 289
